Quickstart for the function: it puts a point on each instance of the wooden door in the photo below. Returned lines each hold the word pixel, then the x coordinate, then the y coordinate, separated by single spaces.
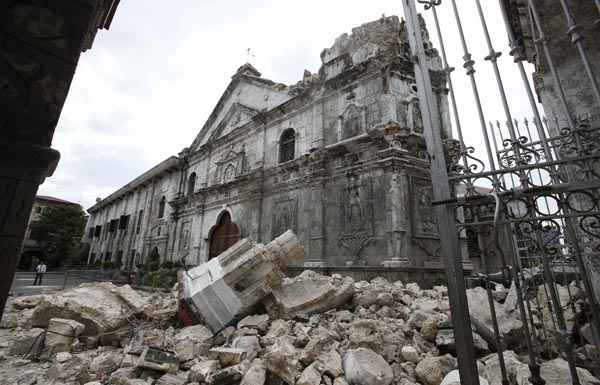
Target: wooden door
pixel 224 235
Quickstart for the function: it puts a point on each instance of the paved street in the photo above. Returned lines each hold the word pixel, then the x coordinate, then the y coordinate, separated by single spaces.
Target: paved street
pixel 22 283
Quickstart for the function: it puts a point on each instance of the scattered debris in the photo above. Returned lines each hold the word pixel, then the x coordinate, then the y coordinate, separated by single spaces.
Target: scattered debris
pixel 306 330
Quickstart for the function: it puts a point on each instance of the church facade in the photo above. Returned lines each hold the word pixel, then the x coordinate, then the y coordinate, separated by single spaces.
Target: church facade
pixel 338 157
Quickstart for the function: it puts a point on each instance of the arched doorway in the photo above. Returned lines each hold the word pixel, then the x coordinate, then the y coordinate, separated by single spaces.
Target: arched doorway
pixel 223 235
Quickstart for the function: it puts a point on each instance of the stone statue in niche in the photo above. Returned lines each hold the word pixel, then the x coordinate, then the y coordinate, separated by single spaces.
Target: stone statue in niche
pixel 417 118
pixel 355 216
pixel 427 216
pixel 402 113
pixel 351 122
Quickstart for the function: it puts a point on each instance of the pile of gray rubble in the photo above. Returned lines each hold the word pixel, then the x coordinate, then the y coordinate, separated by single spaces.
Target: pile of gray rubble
pixel 306 330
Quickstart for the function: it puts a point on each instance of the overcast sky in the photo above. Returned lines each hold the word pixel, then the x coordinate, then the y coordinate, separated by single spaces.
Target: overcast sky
pixel 148 84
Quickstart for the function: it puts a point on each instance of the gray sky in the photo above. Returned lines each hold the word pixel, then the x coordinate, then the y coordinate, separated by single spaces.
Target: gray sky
pixel 148 84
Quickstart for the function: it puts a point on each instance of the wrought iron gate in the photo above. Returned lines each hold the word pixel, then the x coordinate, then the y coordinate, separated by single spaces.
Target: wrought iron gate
pixel 543 180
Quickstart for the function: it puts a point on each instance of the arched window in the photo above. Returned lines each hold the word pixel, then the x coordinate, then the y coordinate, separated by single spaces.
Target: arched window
pixel 287 145
pixel 161 207
pixel 191 184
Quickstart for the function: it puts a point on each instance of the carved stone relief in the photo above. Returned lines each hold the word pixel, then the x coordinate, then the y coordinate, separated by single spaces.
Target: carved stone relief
pixel 356 216
pixel 424 220
pixel 184 240
pixel 231 165
pixel 417 118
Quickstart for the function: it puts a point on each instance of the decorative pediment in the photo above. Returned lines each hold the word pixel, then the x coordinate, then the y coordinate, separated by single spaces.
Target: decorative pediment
pixel 231 166
pixel 235 117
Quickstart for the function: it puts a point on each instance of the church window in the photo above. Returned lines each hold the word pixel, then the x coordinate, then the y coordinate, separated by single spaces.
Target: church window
pixel 191 184
pixel 161 207
pixel 139 221
pixel 287 145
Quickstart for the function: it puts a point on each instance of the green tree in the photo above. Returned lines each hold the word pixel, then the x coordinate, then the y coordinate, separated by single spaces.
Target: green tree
pixel 61 229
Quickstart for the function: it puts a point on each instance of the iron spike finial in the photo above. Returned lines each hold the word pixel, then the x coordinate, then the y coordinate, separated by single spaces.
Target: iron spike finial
pixel 428 4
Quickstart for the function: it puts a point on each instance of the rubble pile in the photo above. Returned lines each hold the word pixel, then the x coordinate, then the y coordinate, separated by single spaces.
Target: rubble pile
pixel 333 331
pixel 306 330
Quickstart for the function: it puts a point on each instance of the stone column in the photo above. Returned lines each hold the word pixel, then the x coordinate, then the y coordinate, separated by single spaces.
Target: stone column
pixel 316 235
pixel 398 198
pixel 23 168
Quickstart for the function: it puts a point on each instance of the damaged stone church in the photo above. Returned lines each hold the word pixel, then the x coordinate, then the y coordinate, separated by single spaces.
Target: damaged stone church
pixel 338 157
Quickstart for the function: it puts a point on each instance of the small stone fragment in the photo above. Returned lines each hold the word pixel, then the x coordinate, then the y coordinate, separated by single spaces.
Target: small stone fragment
pixel 157 359
pixel 228 356
pixel 63 357
pixel 410 354
pixel 432 370
pixel 202 370
pixel 453 378
pixel 309 376
pixel 256 375
pixel 365 367
pixel 258 322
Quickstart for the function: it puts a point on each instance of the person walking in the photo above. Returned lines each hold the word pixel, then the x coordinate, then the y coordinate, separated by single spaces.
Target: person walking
pixel 40 269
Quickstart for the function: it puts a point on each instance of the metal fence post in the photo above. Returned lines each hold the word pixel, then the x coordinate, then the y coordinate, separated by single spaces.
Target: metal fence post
pixel 441 192
pixel 66 278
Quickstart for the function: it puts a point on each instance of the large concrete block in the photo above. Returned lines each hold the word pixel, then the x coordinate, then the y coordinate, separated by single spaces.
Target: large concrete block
pixel 228 286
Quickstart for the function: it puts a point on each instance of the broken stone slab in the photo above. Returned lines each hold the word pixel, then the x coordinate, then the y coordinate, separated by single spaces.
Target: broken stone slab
pixel 229 286
pixel 309 293
pixel 61 333
pixel 26 341
pixel 365 367
pixel 158 359
pixel 101 307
